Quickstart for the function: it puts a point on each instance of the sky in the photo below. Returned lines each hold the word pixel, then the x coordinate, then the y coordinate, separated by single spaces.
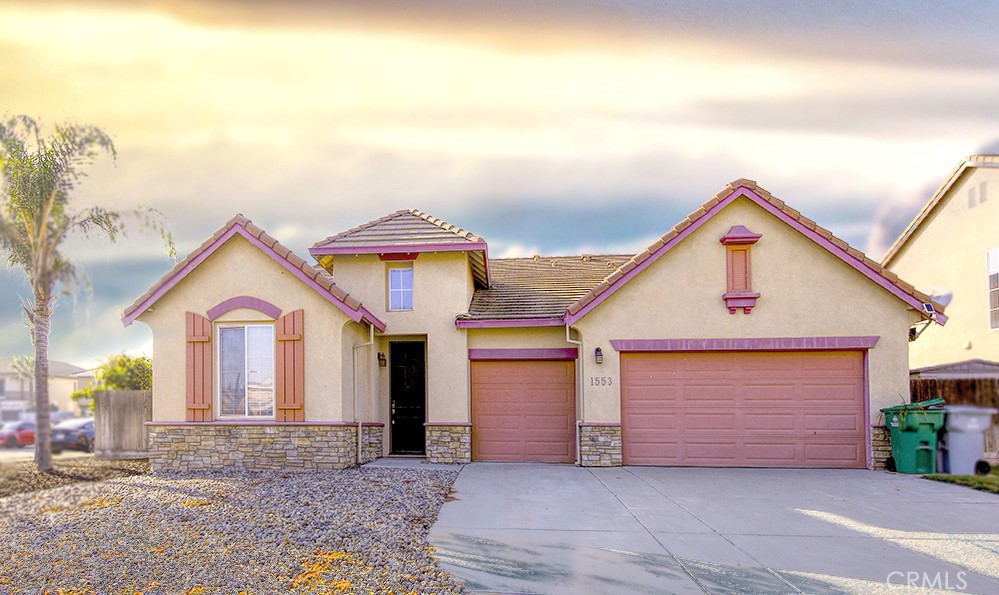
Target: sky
pixel 546 127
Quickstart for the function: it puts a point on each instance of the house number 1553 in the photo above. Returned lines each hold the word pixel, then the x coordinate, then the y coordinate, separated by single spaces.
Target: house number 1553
pixel 601 381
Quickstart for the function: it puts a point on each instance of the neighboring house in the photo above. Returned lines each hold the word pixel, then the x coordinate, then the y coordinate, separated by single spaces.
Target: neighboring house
pixel 745 336
pixel 19 395
pixel 972 368
pixel 951 249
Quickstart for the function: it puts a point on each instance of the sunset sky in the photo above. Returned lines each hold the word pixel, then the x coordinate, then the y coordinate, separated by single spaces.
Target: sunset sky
pixel 545 127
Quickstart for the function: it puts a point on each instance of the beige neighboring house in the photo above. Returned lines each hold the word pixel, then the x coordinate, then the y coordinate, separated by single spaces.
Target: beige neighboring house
pixel 18 392
pixel 951 250
pixel 747 335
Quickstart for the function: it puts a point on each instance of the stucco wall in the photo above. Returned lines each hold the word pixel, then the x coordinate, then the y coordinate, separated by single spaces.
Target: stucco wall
pixel 441 290
pixel 805 291
pixel 238 268
pixel 948 251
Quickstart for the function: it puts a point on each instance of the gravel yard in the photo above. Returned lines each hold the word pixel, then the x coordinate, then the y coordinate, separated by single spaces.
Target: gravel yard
pixel 359 530
pixel 21 476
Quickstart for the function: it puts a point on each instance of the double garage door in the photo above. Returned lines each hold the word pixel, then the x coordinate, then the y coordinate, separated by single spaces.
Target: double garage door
pixel 743 409
pixel 714 409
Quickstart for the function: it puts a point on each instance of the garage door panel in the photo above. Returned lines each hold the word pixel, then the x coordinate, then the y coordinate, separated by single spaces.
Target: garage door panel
pixel 791 409
pixel 719 422
pixel 523 411
pixel 767 452
pixel 769 422
pixel 711 451
pixel 835 422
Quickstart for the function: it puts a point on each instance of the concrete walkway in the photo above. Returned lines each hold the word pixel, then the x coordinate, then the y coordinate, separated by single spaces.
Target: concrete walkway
pixel 533 528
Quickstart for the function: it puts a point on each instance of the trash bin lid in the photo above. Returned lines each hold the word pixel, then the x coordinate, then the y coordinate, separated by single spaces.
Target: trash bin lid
pixel 913 406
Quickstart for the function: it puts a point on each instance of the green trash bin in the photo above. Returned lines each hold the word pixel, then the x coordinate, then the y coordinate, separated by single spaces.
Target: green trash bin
pixel 913 429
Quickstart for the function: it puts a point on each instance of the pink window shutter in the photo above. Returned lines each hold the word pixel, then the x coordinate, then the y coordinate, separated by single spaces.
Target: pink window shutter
pixel 199 368
pixel 289 364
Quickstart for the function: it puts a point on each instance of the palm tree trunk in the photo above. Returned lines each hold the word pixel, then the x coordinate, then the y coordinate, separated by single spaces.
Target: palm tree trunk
pixel 43 433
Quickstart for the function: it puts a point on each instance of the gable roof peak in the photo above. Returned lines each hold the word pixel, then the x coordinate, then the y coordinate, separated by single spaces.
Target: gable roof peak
pixel 776 207
pixel 971 161
pixel 318 279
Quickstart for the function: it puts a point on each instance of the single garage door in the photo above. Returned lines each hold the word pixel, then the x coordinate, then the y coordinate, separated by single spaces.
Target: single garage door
pixel 523 411
pixel 743 409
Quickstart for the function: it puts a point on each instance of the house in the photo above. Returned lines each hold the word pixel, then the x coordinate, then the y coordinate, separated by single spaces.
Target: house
pixel 17 392
pixel 951 249
pixel 747 335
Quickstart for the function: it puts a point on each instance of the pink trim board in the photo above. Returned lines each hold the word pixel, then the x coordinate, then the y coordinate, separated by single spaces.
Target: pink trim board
pixel 755 344
pixel 244 301
pixel 560 354
pixel 507 323
pixel 399 248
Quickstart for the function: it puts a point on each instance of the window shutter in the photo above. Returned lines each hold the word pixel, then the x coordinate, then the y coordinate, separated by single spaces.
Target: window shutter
pixel 199 368
pixel 289 365
pixel 739 270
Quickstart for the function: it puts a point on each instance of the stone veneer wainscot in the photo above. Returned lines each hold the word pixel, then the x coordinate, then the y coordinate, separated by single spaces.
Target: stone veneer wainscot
pixel 599 445
pixel 449 443
pixel 180 447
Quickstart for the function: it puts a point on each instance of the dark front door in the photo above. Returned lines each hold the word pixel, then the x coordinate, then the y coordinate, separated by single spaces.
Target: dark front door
pixel 408 391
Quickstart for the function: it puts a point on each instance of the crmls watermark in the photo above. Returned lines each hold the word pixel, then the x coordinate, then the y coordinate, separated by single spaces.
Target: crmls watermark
pixel 929 580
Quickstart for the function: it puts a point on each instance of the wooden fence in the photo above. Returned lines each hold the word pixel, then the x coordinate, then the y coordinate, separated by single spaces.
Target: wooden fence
pixel 982 392
pixel 120 423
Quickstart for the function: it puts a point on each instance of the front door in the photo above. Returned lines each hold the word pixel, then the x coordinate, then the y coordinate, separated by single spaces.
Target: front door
pixel 408 391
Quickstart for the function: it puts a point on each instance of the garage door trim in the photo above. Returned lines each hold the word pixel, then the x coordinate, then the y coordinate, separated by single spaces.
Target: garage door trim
pixel 843 343
pixel 753 344
pixel 561 354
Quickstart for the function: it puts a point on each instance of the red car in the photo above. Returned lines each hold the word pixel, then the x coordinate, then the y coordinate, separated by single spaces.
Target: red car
pixel 16 434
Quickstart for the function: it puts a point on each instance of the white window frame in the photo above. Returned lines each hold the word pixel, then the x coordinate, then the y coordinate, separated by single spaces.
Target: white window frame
pixel 218 372
pixel 401 291
pixel 991 268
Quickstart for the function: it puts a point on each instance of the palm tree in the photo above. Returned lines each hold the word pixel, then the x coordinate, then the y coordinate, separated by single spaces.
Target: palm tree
pixel 39 176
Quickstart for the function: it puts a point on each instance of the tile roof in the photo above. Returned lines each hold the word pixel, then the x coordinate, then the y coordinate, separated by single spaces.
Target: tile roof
pixel 971 368
pixel 408 230
pixel 323 281
pixel 538 287
pixel 841 249
pixel 970 162
pixel 408 227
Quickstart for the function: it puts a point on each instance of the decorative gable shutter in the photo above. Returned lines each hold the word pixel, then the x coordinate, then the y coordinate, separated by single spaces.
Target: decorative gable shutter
pixel 199 368
pixel 289 364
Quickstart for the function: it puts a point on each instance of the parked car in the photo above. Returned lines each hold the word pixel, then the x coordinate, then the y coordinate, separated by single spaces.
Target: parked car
pixel 15 434
pixel 75 434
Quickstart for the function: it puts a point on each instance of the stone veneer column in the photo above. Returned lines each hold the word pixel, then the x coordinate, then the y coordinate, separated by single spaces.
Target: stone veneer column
pixel 599 445
pixel 880 447
pixel 449 443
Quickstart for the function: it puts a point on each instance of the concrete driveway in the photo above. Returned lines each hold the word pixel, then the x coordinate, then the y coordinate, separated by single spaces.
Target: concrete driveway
pixel 534 528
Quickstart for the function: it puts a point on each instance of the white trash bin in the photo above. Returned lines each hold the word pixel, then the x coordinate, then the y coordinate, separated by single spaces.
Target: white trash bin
pixel 965 427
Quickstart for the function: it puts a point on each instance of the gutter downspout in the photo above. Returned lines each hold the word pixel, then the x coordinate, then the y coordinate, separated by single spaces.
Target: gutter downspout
pixel 579 386
pixel 357 419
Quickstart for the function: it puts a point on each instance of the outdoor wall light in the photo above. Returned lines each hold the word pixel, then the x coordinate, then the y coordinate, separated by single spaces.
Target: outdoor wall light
pixel 382 360
pixel 598 355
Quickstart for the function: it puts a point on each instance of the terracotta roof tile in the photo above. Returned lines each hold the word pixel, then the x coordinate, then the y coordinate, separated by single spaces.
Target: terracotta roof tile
pixel 541 287
pixel 408 228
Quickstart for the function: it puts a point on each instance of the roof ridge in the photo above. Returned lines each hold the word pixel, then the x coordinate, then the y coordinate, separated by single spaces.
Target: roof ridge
pixel 445 225
pixel 567 256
